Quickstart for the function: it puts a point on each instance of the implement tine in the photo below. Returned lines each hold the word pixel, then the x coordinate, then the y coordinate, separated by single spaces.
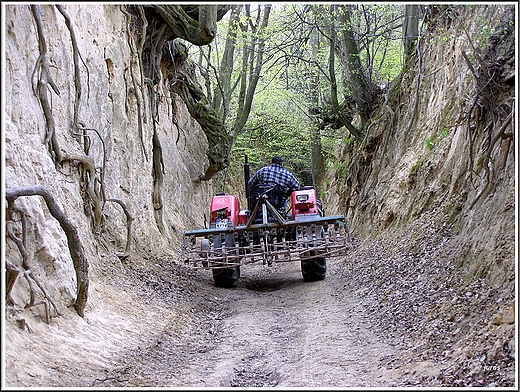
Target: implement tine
pixel 280 240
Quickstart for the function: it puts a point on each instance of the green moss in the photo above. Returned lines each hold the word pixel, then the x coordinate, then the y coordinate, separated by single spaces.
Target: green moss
pixel 430 142
pixel 415 168
pixel 433 140
pixel 341 168
pixel 445 133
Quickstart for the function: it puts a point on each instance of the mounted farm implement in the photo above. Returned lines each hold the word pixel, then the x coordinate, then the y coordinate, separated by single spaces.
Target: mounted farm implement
pixel 266 232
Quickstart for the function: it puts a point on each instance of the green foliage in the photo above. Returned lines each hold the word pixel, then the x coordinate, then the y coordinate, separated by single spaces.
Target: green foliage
pixel 294 79
pixel 444 133
pixel 331 146
pixel 443 36
pixel 433 140
pixel 340 168
pixel 276 127
pixel 429 143
pixel 415 168
pixel 350 140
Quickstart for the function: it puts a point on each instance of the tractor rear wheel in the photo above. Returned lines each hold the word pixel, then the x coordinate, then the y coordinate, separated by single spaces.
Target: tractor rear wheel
pixel 314 268
pixel 226 277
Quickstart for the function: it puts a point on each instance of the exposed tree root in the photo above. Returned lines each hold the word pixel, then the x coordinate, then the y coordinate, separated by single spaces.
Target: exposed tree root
pixel 101 194
pixel 492 86
pixel 136 88
pixel 500 135
pixel 51 138
pixel 129 220
pixel 44 81
pixel 11 274
pixel 28 273
pixel 79 260
pixel 158 172
pixel 76 56
pixel 88 172
pixel 98 381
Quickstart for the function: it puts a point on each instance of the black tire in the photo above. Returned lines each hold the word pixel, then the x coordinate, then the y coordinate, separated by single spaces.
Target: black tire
pixel 314 269
pixel 226 277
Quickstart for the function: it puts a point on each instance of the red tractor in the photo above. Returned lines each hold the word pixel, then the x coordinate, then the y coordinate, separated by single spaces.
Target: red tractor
pixel 266 232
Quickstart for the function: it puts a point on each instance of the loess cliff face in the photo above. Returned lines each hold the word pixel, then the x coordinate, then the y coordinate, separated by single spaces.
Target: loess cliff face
pixel 93 75
pixel 443 148
pixel 430 197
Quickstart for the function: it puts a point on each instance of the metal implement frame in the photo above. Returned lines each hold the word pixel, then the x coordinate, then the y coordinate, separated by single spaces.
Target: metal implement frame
pixel 313 238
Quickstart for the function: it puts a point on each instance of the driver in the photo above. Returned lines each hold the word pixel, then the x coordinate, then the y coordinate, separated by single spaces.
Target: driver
pixel 275 173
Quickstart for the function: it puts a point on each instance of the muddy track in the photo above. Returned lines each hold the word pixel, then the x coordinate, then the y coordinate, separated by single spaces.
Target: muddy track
pixel 273 329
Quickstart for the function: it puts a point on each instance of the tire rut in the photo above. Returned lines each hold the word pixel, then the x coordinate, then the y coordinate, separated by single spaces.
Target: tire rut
pixel 273 329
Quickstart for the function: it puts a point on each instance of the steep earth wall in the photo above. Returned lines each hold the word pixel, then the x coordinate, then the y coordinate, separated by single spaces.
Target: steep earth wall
pixel 415 183
pixel 431 202
pixel 455 162
pixel 108 113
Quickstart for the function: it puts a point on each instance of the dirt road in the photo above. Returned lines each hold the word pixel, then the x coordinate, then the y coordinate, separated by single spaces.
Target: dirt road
pixel 380 319
pixel 273 329
pixel 383 317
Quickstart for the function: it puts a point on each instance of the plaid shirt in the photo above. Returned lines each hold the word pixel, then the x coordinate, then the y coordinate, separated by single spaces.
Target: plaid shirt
pixel 274 173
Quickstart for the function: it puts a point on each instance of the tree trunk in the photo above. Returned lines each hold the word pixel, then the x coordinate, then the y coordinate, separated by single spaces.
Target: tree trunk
pixel 190 91
pixel 350 55
pixel 410 28
pixel 317 161
pixel 199 33
pixel 223 90
pixel 338 110
pixel 197 25
pixel 248 91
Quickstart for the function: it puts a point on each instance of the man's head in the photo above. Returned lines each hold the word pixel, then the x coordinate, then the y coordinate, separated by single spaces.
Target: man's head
pixel 276 159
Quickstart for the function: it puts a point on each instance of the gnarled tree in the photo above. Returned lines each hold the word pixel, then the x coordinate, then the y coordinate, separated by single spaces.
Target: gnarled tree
pixel 164 23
